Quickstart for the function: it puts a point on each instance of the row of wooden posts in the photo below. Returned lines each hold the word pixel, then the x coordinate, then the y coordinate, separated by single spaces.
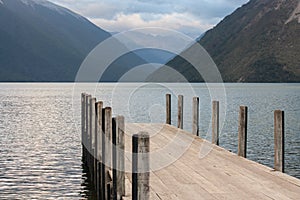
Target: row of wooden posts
pixel 242 128
pixel 103 143
pixel 104 147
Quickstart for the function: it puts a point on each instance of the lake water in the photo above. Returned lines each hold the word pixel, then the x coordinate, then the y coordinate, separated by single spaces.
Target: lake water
pixel 40 127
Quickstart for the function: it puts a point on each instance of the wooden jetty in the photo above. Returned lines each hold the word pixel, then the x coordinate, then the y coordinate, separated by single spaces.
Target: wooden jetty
pixel 161 161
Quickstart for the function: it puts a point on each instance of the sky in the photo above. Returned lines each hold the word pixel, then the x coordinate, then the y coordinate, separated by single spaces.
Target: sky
pixel 191 17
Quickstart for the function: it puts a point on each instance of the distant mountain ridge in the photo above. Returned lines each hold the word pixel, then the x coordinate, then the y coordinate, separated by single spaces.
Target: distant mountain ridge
pixel 259 42
pixel 44 42
pixel 40 41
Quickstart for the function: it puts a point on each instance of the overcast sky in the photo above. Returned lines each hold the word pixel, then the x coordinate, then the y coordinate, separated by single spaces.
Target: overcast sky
pixel 191 17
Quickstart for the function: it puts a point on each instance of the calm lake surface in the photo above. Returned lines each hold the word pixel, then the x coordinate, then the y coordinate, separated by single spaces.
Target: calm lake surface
pixel 40 142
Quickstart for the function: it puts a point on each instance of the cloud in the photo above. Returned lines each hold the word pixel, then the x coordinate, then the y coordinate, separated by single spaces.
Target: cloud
pixel 176 21
pixel 189 16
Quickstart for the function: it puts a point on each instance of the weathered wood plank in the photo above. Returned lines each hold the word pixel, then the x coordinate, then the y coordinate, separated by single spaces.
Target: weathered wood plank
pixel 217 175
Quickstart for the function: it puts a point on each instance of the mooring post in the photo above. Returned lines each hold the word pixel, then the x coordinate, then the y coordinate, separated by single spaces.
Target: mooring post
pixel 92 139
pixel 114 158
pixel 215 122
pixel 180 111
pixel 118 138
pixel 83 125
pixel 121 156
pixel 103 156
pixel 243 123
pixel 195 130
pixel 108 134
pixel 106 148
pixel 168 108
pixel 88 97
pixel 99 148
pixel 140 166
pixel 279 140
pixel 108 189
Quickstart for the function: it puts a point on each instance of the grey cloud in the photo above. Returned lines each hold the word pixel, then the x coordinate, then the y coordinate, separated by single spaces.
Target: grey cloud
pixel 206 12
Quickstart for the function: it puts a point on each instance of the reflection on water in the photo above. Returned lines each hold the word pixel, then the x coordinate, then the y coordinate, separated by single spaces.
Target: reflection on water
pixel 40 144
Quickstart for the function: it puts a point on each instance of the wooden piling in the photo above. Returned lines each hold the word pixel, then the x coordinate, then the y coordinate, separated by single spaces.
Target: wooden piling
pixel 92 137
pixel 114 158
pixel 195 125
pixel 168 108
pixel 106 148
pixel 83 124
pixel 140 166
pixel 88 97
pixel 279 140
pixel 103 156
pixel 99 149
pixel 180 112
pixel 108 134
pixel 215 122
pixel 118 157
pixel 108 189
pixel 243 123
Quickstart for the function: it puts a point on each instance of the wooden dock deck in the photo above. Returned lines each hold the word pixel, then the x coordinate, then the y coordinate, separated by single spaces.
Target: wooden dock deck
pixel 162 162
pixel 202 170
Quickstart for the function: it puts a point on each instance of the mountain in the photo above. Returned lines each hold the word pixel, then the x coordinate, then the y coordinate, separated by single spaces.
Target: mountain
pixel 259 42
pixel 41 41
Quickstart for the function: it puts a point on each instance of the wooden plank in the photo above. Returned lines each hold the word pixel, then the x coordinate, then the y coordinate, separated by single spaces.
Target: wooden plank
pixel 218 175
pixel 279 140
pixel 242 141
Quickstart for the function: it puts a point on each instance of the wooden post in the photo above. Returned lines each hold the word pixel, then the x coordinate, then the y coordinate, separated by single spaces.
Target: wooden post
pixel 88 97
pixel 279 140
pixel 92 135
pixel 103 167
pixel 106 148
pixel 118 157
pixel 83 124
pixel 215 122
pixel 168 108
pixel 140 166
pixel 99 148
pixel 108 188
pixel 243 120
pixel 114 158
pixel 195 130
pixel 180 111
pixel 108 134
pixel 121 156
